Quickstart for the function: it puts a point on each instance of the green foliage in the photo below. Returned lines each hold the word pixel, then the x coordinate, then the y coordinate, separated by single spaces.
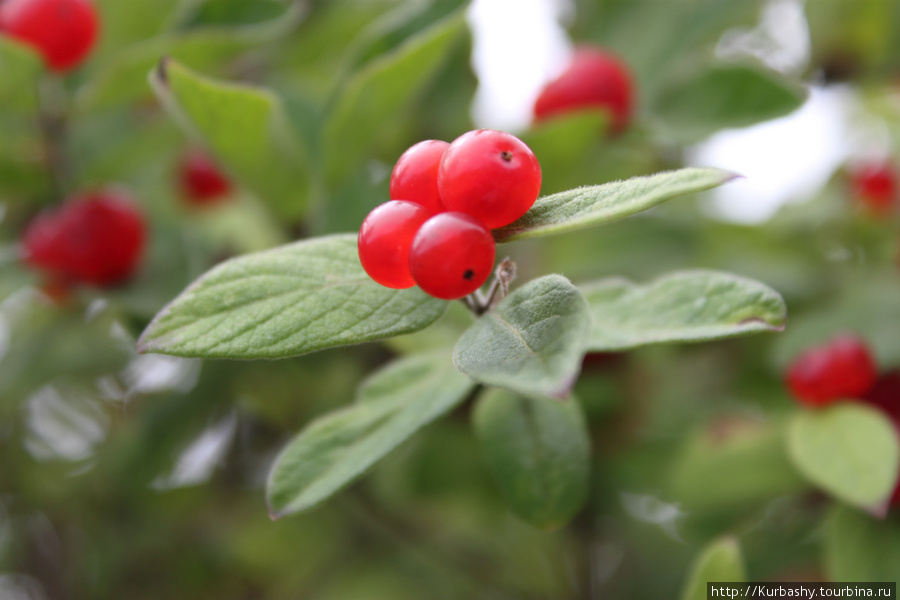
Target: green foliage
pixel 684 306
pixel 721 560
pixel 337 448
pixel 538 452
pixel 859 547
pixel 288 301
pixel 849 450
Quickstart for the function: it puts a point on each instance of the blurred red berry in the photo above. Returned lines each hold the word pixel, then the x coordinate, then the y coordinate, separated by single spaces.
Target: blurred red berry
pixel 415 176
pixel 94 238
pixel 874 186
pixel 841 369
pixel 885 394
pixel 594 78
pixel 63 31
pixel 201 180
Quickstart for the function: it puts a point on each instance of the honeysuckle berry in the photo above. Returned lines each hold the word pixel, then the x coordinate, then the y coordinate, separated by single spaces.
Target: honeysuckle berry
pixel 490 175
pixel 885 395
pixel 874 186
pixel 415 176
pixel 385 238
pixel 452 255
pixel 201 180
pixel 63 31
pixel 842 369
pixel 595 78
pixel 95 238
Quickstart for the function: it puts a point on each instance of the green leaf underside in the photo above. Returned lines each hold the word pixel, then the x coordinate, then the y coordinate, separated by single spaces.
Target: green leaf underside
pixel 859 547
pixel 849 450
pixel 538 453
pixel 284 302
pixel 680 307
pixel 719 561
pixel 600 204
pixel 532 342
pixel 336 449
pixel 244 126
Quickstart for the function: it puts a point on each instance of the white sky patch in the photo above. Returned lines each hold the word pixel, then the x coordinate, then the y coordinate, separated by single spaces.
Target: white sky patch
pixel 519 45
pixel 197 463
pixel 780 41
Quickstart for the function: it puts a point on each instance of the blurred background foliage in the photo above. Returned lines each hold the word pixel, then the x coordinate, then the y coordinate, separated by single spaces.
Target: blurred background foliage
pixel 126 476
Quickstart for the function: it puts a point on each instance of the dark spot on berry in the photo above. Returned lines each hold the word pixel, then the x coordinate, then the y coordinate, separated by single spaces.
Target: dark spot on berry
pixel 506 155
pixel 469 274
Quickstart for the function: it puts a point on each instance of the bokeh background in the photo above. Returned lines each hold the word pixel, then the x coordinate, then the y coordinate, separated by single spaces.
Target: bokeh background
pixel 127 476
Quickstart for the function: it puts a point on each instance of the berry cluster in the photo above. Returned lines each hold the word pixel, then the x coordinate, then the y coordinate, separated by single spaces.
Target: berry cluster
pixel 843 369
pixel 63 31
pixel 874 186
pixel 435 232
pixel 95 239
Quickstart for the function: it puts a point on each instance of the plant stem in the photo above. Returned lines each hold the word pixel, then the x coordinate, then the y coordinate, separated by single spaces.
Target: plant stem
pixel 480 303
pixel 53 123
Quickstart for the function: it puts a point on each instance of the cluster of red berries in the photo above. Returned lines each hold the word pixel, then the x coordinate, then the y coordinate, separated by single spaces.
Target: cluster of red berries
pixel 62 31
pixel 94 239
pixel 843 369
pixel 435 232
pixel 874 186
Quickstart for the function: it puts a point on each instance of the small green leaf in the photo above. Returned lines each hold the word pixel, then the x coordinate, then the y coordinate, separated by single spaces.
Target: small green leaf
pixel 721 560
pixel 532 342
pixel 727 95
pixel 849 450
pixel 244 126
pixel 600 204
pixel 339 447
pixel 538 453
pixel 680 307
pixel 287 301
pixel 382 91
pixel 859 547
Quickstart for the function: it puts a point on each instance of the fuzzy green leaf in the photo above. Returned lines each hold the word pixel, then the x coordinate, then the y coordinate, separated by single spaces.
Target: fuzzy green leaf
pixel 849 450
pixel 287 301
pixel 245 127
pixel 339 447
pixel 859 547
pixel 538 453
pixel 719 561
pixel 532 342
pixel 600 204
pixel 680 307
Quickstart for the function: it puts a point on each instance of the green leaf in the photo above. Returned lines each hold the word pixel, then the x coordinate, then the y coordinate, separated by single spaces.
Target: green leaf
pixel 244 126
pixel 849 450
pixel 727 95
pixel 600 204
pixel 538 453
pixel 859 547
pixel 732 464
pixel 20 69
pixel 532 342
pixel 287 301
pixel 721 560
pixel 339 447
pixel 382 91
pixel 679 307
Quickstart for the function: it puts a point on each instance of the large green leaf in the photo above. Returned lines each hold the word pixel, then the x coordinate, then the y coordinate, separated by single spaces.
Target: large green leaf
pixel 859 547
pixel 727 95
pixel 600 204
pixel 244 126
pixel 287 301
pixel 682 306
pixel 721 561
pixel 382 91
pixel 532 342
pixel 850 450
pixel 538 453
pixel 339 447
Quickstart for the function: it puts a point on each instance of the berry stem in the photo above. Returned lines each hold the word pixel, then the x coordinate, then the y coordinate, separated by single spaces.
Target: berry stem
pixel 479 303
pixel 53 124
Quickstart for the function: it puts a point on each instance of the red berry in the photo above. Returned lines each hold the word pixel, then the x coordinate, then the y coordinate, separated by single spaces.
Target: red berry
pixel 415 176
pixel 385 237
pixel 63 31
pixel 490 175
pixel 594 79
pixel 452 255
pixel 885 394
pixel 94 238
pixel 874 186
pixel 201 180
pixel 841 369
